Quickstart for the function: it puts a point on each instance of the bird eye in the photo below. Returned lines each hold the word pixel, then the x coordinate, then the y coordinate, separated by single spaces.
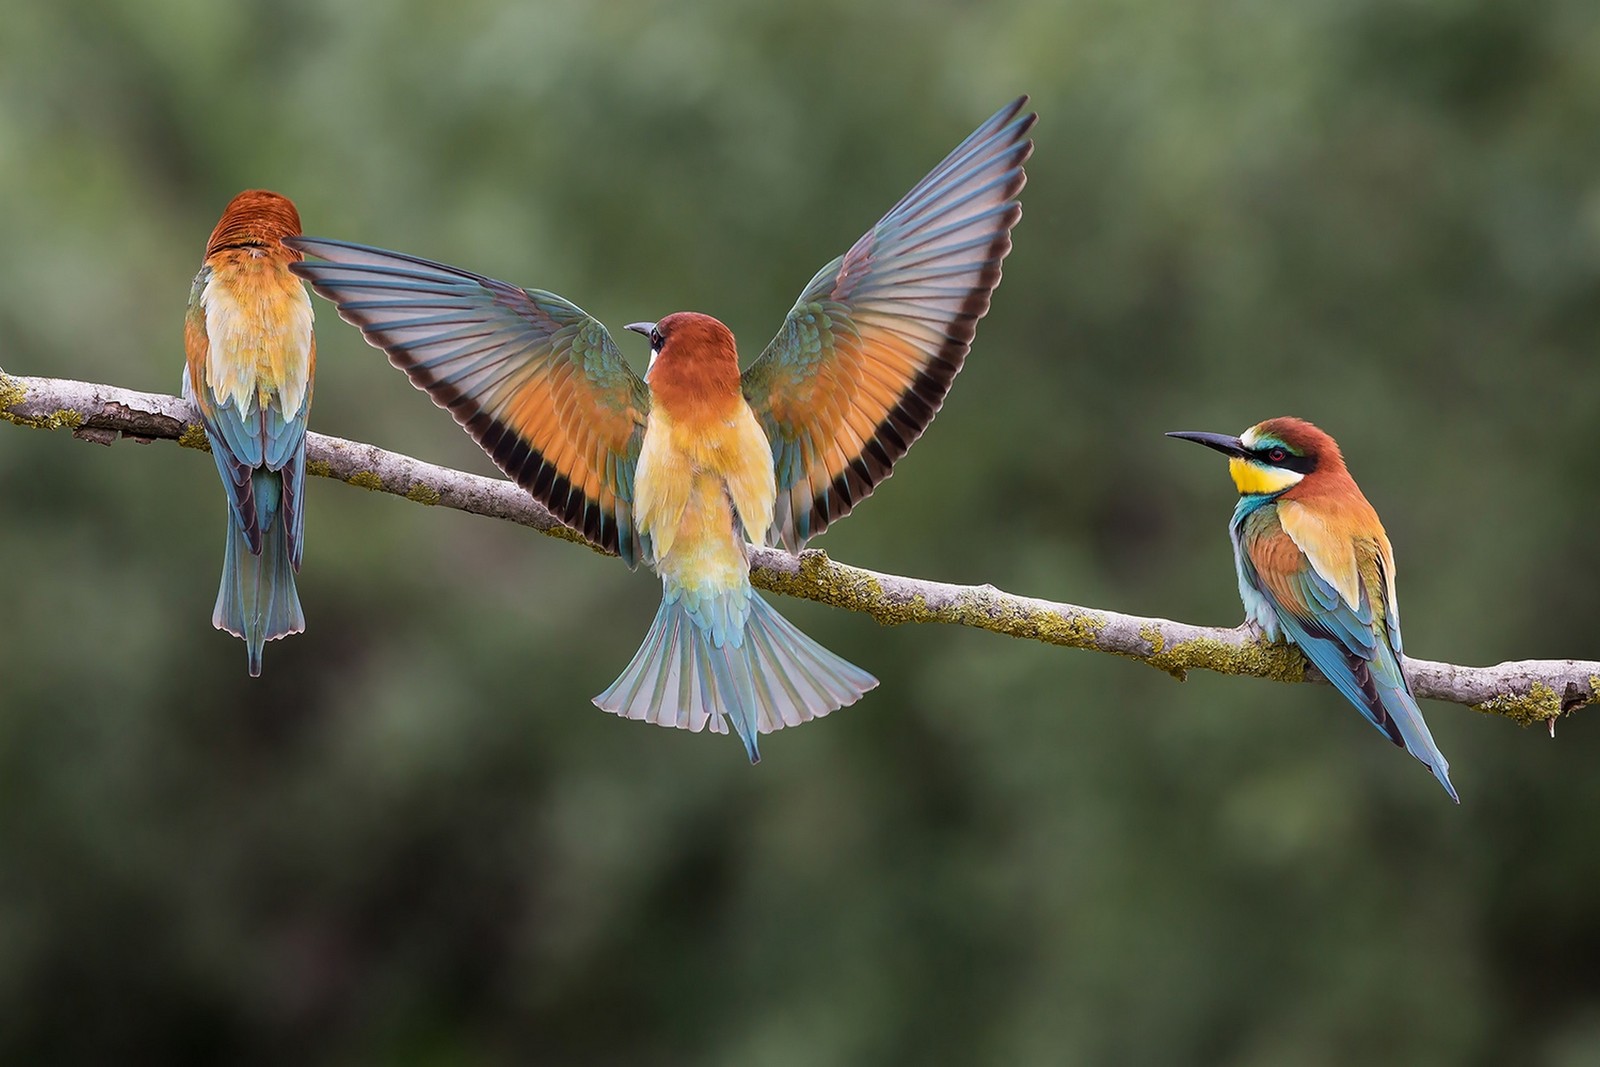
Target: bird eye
pixel 1277 455
pixel 655 340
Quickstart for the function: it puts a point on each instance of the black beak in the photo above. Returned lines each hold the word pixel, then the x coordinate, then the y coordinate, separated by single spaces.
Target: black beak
pixel 1230 446
pixel 640 327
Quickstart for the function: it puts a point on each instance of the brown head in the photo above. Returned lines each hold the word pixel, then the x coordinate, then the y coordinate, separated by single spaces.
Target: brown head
pixel 256 218
pixel 693 360
pixel 1279 455
pixel 1316 451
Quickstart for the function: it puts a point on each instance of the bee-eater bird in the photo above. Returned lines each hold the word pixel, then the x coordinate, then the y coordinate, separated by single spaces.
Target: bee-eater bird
pixel 681 467
pixel 1315 566
pixel 250 361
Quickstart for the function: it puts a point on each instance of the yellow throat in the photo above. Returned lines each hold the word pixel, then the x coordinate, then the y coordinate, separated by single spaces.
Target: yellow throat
pixel 1252 478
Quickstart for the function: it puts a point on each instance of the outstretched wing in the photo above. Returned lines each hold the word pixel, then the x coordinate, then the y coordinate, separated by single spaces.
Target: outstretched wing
pixel 865 358
pixel 537 382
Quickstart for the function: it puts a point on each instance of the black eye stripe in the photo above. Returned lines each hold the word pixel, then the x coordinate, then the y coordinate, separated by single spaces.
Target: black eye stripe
pixel 1278 456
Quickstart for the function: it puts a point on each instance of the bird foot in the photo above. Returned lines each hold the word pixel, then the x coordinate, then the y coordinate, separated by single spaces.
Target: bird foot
pixel 1255 631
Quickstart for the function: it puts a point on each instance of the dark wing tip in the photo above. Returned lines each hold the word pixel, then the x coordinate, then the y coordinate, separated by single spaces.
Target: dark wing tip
pixel 527 466
pixel 1010 111
pixel 924 396
pixel 335 276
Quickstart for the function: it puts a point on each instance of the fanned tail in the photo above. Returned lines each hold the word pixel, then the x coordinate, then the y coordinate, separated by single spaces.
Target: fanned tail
pixel 257 600
pixel 699 667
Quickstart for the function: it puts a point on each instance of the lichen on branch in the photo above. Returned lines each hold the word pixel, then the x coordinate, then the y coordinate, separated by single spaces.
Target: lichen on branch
pixel 1527 691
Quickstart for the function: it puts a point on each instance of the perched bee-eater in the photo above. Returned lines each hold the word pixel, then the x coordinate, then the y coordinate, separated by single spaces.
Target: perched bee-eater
pixel 1315 566
pixel 681 467
pixel 251 357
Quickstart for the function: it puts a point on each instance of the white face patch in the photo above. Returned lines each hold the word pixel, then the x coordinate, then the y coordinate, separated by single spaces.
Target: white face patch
pixel 1248 438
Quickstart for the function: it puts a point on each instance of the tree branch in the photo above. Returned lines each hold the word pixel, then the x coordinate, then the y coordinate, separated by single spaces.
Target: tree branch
pixel 1527 691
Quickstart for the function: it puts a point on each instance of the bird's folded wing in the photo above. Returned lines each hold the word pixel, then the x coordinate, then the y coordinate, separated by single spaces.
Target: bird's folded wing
pixel 1348 642
pixel 223 426
pixel 865 358
pixel 536 381
pixel 247 440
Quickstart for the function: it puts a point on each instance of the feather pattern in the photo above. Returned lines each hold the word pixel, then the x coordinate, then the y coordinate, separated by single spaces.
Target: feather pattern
pixel 250 361
pixel 725 658
pixel 865 358
pixel 1331 593
pixel 682 469
pixel 537 382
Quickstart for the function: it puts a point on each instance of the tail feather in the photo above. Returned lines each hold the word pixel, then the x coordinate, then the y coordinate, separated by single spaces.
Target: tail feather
pixel 1415 737
pixel 1378 689
pixel 789 696
pixel 762 678
pixel 257 599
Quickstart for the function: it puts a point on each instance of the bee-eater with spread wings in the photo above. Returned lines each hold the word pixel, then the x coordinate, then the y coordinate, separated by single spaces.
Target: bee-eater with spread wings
pixel 1315 566
pixel 681 467
pixel 251 357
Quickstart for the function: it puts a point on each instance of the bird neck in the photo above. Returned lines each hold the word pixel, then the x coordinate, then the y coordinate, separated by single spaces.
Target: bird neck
pixel 1332 493
pixel 689 386
pixel 249 259
pixel 1249 504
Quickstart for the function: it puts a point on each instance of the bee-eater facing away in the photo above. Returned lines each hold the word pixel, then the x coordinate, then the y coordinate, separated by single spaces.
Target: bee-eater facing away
pixel 681 467
pixel 251 358
pixel 1315 566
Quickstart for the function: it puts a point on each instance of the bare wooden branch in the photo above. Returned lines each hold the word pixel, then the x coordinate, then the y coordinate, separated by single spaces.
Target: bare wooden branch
pixel 1528 691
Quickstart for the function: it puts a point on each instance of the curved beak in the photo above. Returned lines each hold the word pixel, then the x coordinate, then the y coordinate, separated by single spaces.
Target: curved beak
pixel 640 327
pixel 1224 443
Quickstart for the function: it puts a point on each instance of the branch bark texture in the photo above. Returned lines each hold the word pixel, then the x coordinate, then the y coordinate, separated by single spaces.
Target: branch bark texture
pixel 1528 691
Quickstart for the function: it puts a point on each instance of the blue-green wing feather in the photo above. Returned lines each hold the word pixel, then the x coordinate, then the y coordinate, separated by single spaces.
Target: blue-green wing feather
pixel 865 358
pixel 1355 646
pixel 244 441
pixel 260 455
pixel 537 382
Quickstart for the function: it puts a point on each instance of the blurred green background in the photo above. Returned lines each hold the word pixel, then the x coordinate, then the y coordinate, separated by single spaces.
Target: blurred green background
pixel 414 841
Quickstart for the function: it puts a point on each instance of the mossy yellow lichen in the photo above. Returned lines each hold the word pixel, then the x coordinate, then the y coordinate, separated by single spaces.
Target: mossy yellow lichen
pixel 820 579
pixel 12 394
pixel 1279 662
pixel 366 480
pixel 563 532
pixel 193 435
pixel 423 494
pixel 319 468
pixel 1072 631
pixel 1540 704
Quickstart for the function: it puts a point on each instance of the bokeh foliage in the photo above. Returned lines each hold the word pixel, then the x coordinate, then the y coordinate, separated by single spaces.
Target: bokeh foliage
pixel 414 841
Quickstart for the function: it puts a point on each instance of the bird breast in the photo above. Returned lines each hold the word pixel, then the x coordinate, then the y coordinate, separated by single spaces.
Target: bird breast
pixel 697 474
